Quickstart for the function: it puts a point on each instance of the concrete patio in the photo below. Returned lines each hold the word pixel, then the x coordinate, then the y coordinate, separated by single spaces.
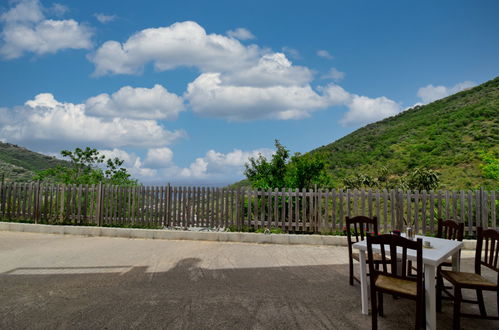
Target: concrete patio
pixel 57 282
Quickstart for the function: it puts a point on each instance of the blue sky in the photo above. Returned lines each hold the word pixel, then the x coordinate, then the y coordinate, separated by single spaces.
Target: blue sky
pixel 186 91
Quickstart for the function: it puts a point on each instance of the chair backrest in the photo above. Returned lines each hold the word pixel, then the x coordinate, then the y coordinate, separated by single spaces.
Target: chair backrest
pixel 487 239
pixel 358 227
pixel 393 242
pixel 450 229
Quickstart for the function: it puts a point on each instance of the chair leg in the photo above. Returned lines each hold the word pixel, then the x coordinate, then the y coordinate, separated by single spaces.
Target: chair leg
pixel 481 305
pixel 374 310
pixel 409 268
pixel 380 303
pixel 457 308
pixel 420 310
pixel 351 272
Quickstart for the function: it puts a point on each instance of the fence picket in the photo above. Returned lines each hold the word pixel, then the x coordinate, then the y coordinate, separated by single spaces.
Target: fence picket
pixel 292 210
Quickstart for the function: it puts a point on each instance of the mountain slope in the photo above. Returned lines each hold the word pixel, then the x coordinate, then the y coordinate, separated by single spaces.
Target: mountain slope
pixel 447 135
pixel 20 164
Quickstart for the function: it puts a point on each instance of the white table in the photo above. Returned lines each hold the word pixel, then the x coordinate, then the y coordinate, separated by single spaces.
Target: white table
pixel 432 257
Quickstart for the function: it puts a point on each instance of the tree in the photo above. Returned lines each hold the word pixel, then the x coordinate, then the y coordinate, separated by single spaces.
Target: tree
pixel 423 179
pixel 301 171
pixel 268 174
pixel 86 167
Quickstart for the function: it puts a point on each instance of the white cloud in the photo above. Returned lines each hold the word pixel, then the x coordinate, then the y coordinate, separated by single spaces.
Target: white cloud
pixel 59 9
pixel 324 54
pixel 132 163
pixel 432 93
pixel 270 70
pixel 181 44
pixel 25 29
pixel 364 110
pixel 241 34
pixel 334 74
pixel 209 97
pixel 217 166
pixel 158 157
pixel 104 18
pixel 44 120
pixel 142 103
pixel 293 53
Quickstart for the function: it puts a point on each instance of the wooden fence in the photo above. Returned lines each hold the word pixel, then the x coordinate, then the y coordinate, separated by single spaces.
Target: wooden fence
pixel 310 211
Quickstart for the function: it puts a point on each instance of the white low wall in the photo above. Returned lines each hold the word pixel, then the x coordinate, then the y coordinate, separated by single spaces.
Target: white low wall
pixel 185 235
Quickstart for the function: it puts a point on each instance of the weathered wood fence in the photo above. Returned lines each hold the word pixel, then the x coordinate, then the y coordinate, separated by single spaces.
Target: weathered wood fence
pixel 310 211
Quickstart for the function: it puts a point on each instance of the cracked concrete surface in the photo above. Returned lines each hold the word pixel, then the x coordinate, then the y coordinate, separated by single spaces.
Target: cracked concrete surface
pixel 65 282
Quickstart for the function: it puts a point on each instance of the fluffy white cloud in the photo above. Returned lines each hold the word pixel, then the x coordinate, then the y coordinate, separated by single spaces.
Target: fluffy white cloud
pixel 217 166
pixel 271 70
pixel 48 121
pixel 241 34
pixel 25 29
pixel 432 93
pixel 334 74
pixel 324 54
pixel 158 157
pixel 181 44
pixel 209 97
pixel 132 163
pixel 142 103
pixel 237 82
pixel 104 18
pixel 364 110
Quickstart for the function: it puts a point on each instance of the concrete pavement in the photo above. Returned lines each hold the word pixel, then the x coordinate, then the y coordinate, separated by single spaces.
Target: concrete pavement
pixel 70 282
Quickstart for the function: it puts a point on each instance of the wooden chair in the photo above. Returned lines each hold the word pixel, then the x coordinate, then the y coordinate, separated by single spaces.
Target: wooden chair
pixel 474 281
pixel 453 230
pixel 357 230
pixel 387 280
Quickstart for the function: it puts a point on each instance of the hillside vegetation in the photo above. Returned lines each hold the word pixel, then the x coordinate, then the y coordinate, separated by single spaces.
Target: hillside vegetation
pixel 450 136
pixel 20 164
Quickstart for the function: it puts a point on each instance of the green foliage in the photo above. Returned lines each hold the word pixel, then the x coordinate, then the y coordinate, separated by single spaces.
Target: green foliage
pixel 306 172
pixel 423 179
pixel 268 174
pixel 446 136
pixel 282 172
pixel 19 164
pixel 84 168
pixel 490 166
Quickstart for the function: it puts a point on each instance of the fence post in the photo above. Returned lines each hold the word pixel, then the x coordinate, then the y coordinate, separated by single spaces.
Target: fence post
pixel 37 202
pixel 168 203
pixel 98 214
pixel 400 209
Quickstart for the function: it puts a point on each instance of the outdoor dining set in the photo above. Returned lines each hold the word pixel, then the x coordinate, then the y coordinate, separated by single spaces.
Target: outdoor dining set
pixel 403 265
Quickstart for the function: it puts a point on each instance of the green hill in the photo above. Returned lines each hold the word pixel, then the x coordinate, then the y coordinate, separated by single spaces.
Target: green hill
pixel 447 135
pixel 20 164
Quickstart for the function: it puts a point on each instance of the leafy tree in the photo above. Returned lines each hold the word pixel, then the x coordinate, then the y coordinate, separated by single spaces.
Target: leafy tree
pixel 266 174
pixel 300 171
pixel 423 179
pixel 85 167
pixel 490 168
pixel 306 171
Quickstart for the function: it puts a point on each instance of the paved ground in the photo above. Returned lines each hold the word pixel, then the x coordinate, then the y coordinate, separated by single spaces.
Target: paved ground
pixel 60 282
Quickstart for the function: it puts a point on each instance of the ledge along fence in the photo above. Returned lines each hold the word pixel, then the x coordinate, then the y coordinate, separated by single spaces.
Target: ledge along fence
pixel 303 211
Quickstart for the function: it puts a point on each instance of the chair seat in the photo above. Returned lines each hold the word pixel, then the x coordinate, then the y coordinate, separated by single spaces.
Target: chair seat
pixel 397 285
pixel 467 279
pixel 376 257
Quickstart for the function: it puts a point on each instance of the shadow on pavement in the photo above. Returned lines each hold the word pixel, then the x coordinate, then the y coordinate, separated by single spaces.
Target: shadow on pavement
pixel 190 297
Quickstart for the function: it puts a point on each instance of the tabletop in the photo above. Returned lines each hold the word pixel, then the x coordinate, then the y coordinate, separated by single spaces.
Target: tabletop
pixel 439 251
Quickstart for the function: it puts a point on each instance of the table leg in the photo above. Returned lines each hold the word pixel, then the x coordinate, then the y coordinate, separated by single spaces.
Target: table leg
pixel 430 297
pixel 363 282
pixel 456 261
